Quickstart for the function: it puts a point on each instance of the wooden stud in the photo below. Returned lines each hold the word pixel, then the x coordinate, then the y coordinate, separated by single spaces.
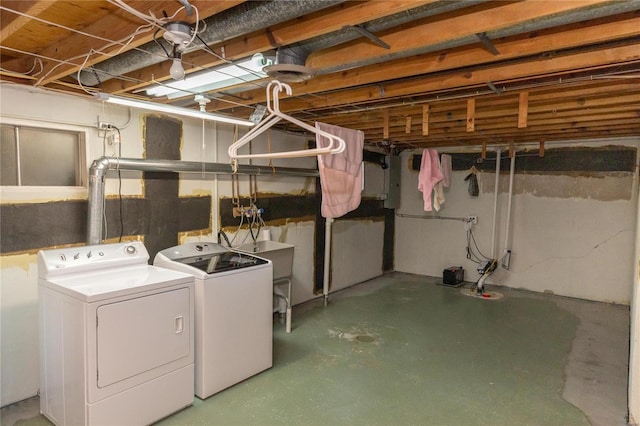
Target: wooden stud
pixel 407 124
pixel 541 151
pixel 512 149
pixel 425 120
pixel 523 110
pixel 484 150
pixel 471 114
pixel 385 124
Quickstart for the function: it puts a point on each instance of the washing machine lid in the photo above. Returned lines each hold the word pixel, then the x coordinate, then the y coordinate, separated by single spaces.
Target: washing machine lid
pixel 115 282
pixel 222 262
pixel 204 258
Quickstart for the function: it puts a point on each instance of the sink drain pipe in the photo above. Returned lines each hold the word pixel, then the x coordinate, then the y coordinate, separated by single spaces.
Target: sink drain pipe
pixel 100 167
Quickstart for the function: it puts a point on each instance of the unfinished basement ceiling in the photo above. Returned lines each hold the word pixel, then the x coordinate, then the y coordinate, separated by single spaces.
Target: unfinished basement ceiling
pixel 410 74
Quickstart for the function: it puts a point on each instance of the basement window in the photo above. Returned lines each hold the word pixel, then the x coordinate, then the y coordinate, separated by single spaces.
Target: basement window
pixel 34 156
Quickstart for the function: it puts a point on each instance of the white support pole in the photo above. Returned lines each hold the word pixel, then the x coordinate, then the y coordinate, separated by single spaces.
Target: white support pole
pixel 495 206
pixel 327 259
pixel 511 175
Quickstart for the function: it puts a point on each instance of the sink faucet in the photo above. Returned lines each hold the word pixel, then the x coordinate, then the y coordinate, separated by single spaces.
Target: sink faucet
pixel 226 239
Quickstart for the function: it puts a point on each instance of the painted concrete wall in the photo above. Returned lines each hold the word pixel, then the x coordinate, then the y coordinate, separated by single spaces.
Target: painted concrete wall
pixel 570 235
pixel 18 273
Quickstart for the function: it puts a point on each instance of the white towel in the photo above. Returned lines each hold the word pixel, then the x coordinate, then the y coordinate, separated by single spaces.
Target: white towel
pixel 438 190
pixel 340 174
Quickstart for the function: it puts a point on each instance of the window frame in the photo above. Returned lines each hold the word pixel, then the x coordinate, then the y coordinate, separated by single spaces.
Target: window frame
pixel 83 159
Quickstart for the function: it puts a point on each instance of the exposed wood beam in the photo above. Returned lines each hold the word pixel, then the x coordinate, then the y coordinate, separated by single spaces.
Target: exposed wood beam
pixel 499 129
pixel 471 114
pixel 597 31
pixel 305 27
pixel 523 109
pixel 556 99
pixel 508 122
pixel 425 120
pixel 503 72
pixel 437 30
pixel 12 23
pixel 78 45
pixel 385 124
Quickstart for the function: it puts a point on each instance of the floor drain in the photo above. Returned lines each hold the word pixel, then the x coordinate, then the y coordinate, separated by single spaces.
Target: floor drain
pixel 365 339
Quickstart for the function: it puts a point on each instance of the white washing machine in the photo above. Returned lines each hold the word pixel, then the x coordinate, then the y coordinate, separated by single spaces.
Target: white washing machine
pixel 234 314
pixel 116 336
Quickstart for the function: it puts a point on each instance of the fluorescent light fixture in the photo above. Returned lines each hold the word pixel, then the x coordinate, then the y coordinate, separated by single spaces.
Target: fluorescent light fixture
pixel 170 109
pixel 201 82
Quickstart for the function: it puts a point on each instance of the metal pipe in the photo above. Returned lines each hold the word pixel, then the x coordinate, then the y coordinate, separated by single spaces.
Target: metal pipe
pixel 495 206
pixel 99 168
pixel 415 216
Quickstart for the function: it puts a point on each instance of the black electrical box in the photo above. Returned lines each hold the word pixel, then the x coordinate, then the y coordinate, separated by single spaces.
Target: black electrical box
pixel 453 275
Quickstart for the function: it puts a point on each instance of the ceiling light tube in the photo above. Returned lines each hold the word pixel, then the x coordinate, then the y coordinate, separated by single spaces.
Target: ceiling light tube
pixel 170 109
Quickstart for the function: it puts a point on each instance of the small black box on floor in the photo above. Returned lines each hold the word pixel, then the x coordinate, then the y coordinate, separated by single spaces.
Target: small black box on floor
pixel 453 275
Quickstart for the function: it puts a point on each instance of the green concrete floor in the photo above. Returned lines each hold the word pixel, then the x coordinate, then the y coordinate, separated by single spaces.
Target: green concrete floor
pixel 410 352
pixel 402 350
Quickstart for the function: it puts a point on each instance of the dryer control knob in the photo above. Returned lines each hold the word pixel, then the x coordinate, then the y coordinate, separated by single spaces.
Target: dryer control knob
pixel 130 250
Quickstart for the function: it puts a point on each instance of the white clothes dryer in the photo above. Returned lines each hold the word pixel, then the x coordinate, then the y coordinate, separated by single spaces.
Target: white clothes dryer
pixel 116 336
pixel 234 314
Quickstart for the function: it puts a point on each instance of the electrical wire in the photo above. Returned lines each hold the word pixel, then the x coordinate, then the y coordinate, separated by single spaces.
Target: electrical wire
pixel 149 19
pixel 123 42
pixel 120 184
pixel 36 61
pixel 151 22
pixel 473 251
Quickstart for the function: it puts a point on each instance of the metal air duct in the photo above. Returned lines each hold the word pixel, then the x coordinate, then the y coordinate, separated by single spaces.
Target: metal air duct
pixel 298 53
pixel 99 169
pixel 242 19
pixel 290 60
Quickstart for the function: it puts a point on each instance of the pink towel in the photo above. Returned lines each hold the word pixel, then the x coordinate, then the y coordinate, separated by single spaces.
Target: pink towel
pixel 340 174
pixel 429 176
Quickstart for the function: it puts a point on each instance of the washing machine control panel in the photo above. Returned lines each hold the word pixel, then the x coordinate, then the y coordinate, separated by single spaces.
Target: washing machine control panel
pixel 88 258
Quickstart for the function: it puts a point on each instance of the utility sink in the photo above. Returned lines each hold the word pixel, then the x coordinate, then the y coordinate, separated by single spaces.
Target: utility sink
pixel 280 254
